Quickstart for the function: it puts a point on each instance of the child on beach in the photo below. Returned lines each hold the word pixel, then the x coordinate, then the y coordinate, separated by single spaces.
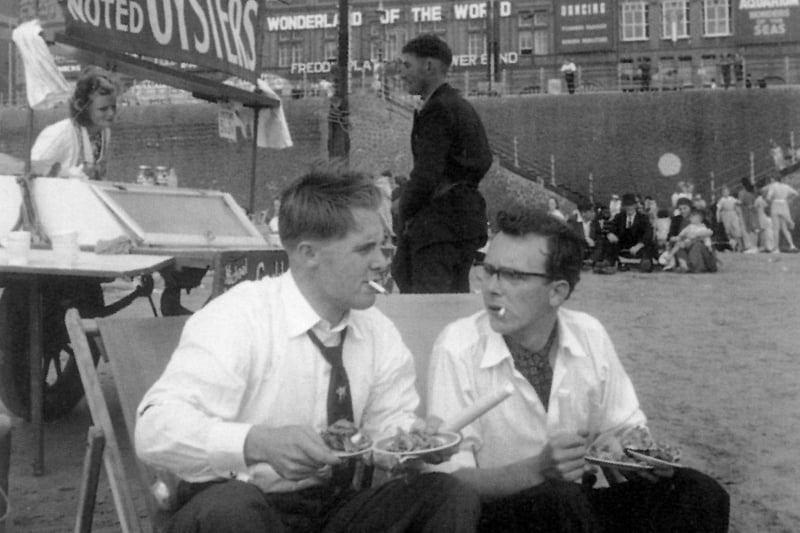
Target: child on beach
pixel 695 231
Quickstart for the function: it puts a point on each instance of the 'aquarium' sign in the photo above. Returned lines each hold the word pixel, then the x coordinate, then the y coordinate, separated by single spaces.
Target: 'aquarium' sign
pixel 767 21
pixel 222 35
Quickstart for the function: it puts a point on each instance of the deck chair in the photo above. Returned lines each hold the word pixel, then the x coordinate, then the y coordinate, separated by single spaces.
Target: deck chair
pixel 138 351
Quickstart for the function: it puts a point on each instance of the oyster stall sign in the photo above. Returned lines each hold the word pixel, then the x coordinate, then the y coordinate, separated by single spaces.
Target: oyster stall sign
pixel 218 34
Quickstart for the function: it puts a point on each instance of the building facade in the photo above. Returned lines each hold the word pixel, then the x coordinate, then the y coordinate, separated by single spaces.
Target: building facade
pixel 616 44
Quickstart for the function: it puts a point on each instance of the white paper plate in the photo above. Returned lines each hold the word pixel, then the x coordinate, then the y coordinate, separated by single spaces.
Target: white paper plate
pixel 620 465
pixel 448 440
pixel 652 460
pixel 347 455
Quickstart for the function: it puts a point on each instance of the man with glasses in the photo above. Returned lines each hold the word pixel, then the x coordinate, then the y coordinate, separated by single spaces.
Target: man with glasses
pixel 526 456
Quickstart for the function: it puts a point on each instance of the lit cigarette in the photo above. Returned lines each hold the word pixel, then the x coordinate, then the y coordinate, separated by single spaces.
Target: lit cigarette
pixel 501 312
pixel 377 286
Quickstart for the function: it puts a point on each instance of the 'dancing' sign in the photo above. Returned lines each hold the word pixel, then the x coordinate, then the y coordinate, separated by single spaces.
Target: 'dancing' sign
pixel 218 34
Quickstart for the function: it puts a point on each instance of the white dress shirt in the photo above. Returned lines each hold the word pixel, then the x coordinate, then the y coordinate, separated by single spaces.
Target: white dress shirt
pixel 590 390
pixel 246 359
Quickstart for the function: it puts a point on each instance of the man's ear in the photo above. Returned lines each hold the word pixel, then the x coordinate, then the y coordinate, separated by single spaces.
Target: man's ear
pixel 307 254
pixel 559 292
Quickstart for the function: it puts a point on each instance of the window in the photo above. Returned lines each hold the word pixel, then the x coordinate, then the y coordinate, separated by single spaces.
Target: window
pixel 634 21
pixel 331 33
pixel 525 19
pixel 675 19
pixel 541 18
pixel 374 51
pixel 330 50
pixel 716 18
pixel 284 56
pixel 284 36
pixel 476 25
pixel 392 49
pixel 297 53
pixel 476 44
pixel 541 42
pixel 525 42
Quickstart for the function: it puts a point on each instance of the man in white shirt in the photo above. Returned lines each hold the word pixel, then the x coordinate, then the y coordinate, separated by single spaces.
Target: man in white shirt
pixel 238 412
pixel 526 456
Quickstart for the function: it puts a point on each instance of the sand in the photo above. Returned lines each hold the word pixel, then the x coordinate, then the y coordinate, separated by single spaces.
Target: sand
pixel 715 359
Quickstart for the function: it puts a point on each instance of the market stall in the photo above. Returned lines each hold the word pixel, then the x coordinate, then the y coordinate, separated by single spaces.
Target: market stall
pixel 182 227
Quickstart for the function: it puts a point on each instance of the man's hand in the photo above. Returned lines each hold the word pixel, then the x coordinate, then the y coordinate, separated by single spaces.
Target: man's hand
pixel 590 242
pixel 294 452
pixel 563 457
pixel 613 239
pixel 636 247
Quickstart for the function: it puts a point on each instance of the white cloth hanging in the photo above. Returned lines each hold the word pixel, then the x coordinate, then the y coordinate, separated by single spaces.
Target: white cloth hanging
pixel 45 85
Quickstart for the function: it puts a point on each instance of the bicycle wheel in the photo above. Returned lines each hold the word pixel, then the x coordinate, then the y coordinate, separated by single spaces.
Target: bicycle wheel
pixel 62 388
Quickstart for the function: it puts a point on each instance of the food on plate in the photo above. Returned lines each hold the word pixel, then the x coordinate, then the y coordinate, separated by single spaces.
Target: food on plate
pixel 637 439
pixel 339 437
pixel 413 441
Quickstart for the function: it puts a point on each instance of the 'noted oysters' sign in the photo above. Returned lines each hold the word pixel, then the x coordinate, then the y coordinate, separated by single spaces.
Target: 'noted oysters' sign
pixel 218 34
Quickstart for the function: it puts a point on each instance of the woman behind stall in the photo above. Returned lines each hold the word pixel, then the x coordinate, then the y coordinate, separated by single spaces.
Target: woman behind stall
pixel 77 146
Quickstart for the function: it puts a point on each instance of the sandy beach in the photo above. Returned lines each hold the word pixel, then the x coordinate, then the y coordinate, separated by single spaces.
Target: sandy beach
pixel 714 358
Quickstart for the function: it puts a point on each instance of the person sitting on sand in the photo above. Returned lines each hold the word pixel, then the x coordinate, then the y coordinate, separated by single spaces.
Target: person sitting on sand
pixel 527 457
pixel 695 232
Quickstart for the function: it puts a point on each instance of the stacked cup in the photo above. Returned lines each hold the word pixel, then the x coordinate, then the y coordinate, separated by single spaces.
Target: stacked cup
pixel 19 247
pixel 65 248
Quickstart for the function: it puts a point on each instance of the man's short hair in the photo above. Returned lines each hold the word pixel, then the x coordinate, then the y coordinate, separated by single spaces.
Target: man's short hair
pixel 586 206
pixel 684 201
pixel 429 45
pixel 565 246
pixel 319 205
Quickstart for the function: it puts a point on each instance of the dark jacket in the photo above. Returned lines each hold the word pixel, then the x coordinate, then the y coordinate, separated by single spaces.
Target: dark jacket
pixel 451 155
pixel 676 224
pixel 641 231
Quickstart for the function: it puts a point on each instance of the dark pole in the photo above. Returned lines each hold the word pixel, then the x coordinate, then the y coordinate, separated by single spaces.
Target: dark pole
pixel 495 62
pixel 254 163
pixel 339 114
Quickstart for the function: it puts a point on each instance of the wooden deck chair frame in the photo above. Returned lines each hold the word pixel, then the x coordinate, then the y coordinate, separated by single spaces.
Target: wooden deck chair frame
pixel 136 361
pixel 138 350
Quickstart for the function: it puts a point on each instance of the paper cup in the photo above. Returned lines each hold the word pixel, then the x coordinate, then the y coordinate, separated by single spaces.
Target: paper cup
pixel 65 247
pixel 19 247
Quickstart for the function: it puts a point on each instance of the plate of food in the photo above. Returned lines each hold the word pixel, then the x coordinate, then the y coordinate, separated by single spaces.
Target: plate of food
pixel 661 455
pixel 619 462
pixel 346 440
pixel 417 442
pixel 610 452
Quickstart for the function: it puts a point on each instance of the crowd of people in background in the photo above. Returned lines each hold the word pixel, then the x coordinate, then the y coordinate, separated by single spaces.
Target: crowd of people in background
pixel 634 230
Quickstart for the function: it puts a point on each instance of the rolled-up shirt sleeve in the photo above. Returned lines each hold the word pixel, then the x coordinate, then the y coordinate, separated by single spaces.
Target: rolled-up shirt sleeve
pixel 184 421
pixel 619 405
pixel 450 391
pixel 393 399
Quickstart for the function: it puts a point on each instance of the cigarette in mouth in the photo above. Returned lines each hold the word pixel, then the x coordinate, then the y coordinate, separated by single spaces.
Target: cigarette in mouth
pixel 377 286
pixel 501 312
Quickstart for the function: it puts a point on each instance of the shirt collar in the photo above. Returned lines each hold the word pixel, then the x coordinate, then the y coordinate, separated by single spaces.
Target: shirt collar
pixel 301 317
pixel 497 351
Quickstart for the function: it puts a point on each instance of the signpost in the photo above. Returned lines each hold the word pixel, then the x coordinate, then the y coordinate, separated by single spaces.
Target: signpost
pixel 584 26
pixel 766 21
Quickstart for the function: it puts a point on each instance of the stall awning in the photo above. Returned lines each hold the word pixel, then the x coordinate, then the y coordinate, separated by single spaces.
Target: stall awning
pixel 141 69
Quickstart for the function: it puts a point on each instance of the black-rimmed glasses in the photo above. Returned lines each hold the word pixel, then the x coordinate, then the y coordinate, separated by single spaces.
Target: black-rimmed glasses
pixel 510 275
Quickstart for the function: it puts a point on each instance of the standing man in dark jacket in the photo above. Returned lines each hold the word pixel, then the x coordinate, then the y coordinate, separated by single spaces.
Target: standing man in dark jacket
pixel 442 213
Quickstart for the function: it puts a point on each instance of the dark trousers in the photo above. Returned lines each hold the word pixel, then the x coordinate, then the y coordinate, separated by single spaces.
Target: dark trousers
pixel 423 503
pixel 610 251
pixel 433 268
pixel 689 502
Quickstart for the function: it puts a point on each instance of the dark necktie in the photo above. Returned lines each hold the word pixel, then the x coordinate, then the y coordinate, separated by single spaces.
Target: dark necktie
pixel 340 404
pixel 535 366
